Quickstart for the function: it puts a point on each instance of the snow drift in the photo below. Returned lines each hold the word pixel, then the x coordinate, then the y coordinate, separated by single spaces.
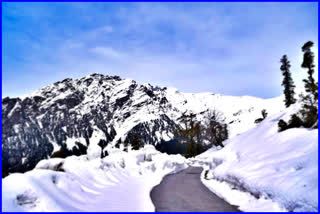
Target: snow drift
pixel 271 166
pixel 121 181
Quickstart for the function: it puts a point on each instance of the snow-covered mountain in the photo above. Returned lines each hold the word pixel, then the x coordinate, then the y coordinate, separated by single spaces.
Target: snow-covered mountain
pixel 260 170
pixel 96 111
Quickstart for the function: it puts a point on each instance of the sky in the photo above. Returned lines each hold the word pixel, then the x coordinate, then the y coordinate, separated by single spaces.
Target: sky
pixel 226 48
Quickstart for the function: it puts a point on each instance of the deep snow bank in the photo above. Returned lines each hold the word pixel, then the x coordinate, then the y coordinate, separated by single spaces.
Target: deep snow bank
pixel 120 182
pixel 282 167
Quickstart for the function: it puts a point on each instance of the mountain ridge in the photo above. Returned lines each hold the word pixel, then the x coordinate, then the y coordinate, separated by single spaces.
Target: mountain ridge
pixel 98 110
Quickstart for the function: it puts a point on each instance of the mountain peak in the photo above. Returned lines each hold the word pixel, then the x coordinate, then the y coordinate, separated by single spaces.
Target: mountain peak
pixel 72 114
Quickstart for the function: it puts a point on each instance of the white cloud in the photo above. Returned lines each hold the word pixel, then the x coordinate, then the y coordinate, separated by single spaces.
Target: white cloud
pixel 194 47
pixel 107 52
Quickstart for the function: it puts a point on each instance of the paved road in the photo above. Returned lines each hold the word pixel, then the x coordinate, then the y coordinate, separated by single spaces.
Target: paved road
pixel 184 192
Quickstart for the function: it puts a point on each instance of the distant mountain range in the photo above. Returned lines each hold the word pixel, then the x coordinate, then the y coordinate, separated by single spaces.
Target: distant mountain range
pixel 100 110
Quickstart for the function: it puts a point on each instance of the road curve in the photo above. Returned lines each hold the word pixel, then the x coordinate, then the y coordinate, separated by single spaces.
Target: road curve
pixel 184 192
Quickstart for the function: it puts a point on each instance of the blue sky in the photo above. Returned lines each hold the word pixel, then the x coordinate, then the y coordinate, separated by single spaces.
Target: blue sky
pixel 228 48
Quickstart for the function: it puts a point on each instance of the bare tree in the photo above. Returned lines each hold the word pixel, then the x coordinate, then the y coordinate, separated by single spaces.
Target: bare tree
pixel 215 128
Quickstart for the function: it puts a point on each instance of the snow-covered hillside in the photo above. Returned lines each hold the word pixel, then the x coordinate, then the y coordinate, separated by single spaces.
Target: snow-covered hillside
pixel 101 110
pixel 119 182
pixel 271 166
pixel 239 112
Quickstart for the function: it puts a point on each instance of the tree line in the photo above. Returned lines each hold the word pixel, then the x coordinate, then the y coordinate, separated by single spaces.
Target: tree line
pixel 200 136
pixel 308 114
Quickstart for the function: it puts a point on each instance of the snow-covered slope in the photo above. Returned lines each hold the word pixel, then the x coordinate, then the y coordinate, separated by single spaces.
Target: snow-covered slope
pixel 282 167
pixel 240 112
pixel 101 110
pixel 119 182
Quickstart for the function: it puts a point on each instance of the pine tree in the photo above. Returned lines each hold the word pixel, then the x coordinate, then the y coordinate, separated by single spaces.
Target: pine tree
pixel 190 149
pixel 308 63
pixel 310 100
pixel 309 111
pixel 287 81
pixel 190 134
pixel 264 113
pixel 136 142
pixel 198 138
pixel 282 125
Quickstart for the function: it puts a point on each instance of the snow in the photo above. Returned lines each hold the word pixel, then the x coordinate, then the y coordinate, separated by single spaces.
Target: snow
pixel 64 128
pixel 23 160
pixel 282 167
pixel 16 106
pixel 56 147
pixel 94 150
pixel 121 181
pixel 259 169
pixel 240 112
pixel 16 128
pixel 167 136
pixel 71 142
pixel 244 200
pixel 122 128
